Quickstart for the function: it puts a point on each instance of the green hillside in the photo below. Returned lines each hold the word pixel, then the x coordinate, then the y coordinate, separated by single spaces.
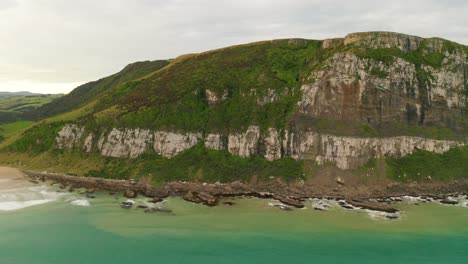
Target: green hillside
pixel 175 96
pixel 95 90
pixel 14 106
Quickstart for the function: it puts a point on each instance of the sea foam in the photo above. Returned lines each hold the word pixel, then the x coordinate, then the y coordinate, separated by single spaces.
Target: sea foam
pixel 19 198
pixel 81 202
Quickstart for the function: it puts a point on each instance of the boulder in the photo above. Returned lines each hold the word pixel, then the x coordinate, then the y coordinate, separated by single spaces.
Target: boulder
pixel 201 197
pixel 449 201
pixel 281 206
pixel 90 191
pixel 130 193
pixel 158 210
pixel 126 204
pixel 392 217
pixel 340 180
pixel 289 201
pixel 374 206
pixel 190 197
pixel 156 200
pixel 207 199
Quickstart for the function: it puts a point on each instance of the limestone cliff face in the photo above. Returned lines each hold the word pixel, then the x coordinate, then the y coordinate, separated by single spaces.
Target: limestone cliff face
pixel 347 89
pixel 345 152
pixel 351 152
pixel 244 144
pixel 384 40
pixel 126 143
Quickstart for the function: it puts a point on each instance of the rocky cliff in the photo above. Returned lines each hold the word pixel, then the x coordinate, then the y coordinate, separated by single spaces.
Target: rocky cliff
pixel 385 87
pixel 338 101
pixel 344 152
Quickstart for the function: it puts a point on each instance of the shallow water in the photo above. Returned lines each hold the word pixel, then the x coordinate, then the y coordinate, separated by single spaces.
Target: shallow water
pixel 69 228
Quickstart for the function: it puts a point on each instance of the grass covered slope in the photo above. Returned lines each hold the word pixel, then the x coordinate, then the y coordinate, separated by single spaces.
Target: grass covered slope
pixel 217 90
pixel 428 165
pixel 97 89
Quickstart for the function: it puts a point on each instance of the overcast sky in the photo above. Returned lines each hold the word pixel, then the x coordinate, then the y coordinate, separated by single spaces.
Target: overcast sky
pixel 52 46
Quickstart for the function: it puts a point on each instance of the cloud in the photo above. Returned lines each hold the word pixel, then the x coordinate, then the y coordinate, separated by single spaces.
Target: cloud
pixel 54 41
pixel 6 4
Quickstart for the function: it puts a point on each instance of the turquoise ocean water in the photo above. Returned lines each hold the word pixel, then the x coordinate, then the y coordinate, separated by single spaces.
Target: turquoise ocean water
pixel 64 230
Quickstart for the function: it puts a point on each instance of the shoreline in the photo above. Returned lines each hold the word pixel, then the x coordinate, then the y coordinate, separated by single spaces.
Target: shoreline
pixel 11 178
pixel 374 197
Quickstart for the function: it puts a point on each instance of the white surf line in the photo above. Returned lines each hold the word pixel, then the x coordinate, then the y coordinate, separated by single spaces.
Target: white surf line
pixel 19 198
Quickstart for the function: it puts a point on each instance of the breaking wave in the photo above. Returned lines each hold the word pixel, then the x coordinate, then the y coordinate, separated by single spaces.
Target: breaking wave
pixel 15 199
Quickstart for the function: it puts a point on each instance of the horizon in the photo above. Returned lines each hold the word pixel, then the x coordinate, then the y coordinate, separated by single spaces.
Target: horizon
pixel 54 47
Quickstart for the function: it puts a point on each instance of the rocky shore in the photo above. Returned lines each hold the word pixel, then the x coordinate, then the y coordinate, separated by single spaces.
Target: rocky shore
pixel 372 197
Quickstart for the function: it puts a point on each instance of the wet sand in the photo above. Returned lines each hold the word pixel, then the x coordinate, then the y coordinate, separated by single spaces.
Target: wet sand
pixel 11 178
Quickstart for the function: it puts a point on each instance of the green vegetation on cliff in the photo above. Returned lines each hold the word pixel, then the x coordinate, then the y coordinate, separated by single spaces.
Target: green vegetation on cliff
pixel 200 164
pixel 36 139
pixel 424 165
pixel 249 84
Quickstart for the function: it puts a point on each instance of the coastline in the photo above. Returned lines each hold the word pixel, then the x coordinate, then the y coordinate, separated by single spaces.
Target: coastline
pixel 375 197
pixel 239 233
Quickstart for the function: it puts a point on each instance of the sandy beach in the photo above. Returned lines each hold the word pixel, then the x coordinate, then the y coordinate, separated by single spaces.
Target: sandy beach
pixel 11 178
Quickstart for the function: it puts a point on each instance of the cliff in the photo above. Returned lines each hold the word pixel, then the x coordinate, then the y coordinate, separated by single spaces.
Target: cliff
pixel 344 152
pixel 340 102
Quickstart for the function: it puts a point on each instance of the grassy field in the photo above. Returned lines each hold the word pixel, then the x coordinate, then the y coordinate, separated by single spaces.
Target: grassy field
pixel 13 108
pixel 10 129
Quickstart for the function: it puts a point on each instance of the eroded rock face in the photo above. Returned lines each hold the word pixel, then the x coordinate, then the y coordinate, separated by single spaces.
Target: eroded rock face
pixel 384 40
pixel 215 141
pixel 244 144
pixel 88 143
pixel 129 143
pixel 214 98
pixel 126 143
pixel 365 90
pixel 169 144
pixel 270 96
pixel 351 152
pixel 272 145
pixel 69 136
pixel 344 152
pixel 211 97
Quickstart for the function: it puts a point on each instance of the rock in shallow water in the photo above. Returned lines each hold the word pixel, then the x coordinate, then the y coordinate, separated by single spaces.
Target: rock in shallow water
pixel 201 197
pixel 374 207
pixel 130 193
pixel 158 210
pixel 127 204
pixel 449 201
pixel 289 201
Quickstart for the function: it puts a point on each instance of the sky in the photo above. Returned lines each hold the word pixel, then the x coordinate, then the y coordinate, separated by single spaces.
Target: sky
pixel 52 46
